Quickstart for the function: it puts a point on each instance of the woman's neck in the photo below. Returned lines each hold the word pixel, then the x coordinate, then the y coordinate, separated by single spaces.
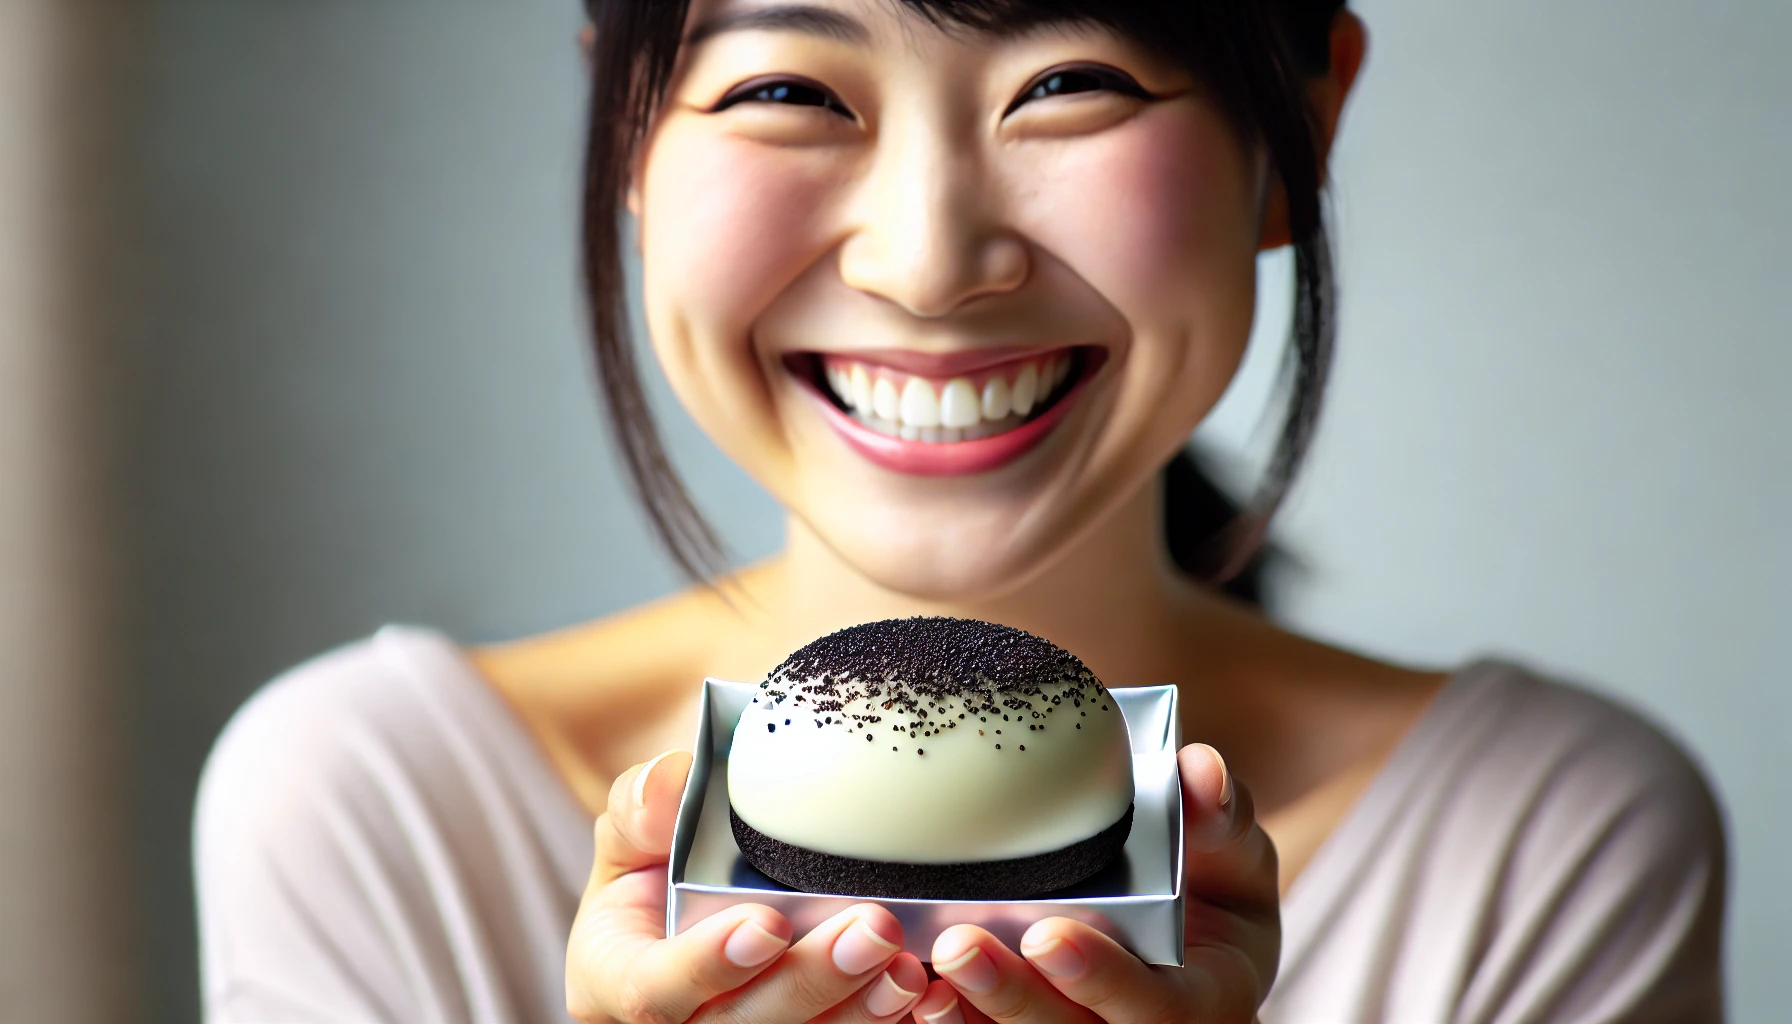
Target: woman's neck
pixel 1114 598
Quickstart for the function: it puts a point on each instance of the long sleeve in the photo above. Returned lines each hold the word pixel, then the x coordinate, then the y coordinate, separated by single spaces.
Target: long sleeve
pixel 1530 853
pixel 377 843
pixel 1614 907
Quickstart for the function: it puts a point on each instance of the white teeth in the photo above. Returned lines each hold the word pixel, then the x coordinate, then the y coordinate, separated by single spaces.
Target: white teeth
pixel 921 410
pixel 882 426
pixel 884 402
pixel 958 404
pixel 858 386
pixel 995 398
pixel 920 406
pixel 1026 388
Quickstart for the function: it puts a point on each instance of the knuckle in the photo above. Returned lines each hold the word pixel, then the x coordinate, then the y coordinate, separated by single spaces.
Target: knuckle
pixel 635 1005
pixel 580 1008
pixel 706 975
pixel 811 990
pixel 1113 1001
pixel 1011 1003
pixel 730 1013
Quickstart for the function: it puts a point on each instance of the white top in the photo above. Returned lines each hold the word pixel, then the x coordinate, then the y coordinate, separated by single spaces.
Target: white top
pixel 378 838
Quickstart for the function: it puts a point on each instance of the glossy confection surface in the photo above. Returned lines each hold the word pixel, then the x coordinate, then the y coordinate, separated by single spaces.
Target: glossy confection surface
pixel 931 741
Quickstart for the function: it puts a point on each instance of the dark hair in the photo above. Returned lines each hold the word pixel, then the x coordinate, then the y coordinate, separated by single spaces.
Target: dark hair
pixel 1255 57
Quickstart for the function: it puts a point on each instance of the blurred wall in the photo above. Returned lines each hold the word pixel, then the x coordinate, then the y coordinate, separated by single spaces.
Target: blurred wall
pixel 358 391
pixel 65 950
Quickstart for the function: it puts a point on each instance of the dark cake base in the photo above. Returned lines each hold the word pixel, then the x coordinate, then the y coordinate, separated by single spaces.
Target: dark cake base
pixel 1015 879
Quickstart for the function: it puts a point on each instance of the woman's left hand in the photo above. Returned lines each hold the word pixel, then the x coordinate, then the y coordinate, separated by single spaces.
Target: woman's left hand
pixel 1068 972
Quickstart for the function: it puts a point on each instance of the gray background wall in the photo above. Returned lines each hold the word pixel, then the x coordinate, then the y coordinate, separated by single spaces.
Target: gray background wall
pixel 357 392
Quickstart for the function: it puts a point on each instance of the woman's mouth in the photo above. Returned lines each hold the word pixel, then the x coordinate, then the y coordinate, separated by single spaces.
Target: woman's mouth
pixel 945 415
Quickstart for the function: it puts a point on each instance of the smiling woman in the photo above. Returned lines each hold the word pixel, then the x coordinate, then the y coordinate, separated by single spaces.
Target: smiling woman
pixel 954 280
pixel 1135 174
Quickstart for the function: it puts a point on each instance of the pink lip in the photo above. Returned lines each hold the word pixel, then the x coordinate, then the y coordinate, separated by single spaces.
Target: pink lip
pixel 960 458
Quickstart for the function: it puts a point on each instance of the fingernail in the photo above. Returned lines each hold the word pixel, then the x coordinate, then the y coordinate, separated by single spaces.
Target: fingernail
pixel 1057 958
pixel 640 792
pixel 1225 777
pixel 751 945
pixel 947 1014
pixel 971 972
pixel 858 949
pixel 887 997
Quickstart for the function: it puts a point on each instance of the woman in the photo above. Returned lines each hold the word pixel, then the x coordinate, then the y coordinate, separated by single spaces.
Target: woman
pixel 955 280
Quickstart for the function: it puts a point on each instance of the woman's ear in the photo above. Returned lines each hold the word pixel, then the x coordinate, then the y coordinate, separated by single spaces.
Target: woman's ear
pixel 1327 93
pixel 1350 45
pixel 587 40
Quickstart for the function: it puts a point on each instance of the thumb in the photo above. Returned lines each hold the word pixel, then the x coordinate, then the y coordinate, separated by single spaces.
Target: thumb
pixel 1217 810
pixel 635 832
pixel 1227 857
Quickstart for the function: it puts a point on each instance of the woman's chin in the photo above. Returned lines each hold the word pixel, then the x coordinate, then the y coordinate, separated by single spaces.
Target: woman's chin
pixel 952 566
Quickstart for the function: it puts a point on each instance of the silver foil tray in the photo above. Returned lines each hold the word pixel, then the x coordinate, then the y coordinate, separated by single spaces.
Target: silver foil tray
pixel 1137 899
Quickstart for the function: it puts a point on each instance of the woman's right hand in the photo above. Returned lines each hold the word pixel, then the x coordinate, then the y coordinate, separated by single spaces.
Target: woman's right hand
pixel 737 965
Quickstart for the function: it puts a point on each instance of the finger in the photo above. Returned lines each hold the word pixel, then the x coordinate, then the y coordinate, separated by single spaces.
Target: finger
pixel 990 977
pixel 635 831
pixel 1229 861
pixel 1233 906
pixel 617 967
pixel 941 1004
pixel 842 955
pixel 886 998
pixel 1092 970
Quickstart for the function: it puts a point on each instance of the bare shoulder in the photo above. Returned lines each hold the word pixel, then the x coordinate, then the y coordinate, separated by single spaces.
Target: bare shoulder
pixel 608 657
pixel 606 694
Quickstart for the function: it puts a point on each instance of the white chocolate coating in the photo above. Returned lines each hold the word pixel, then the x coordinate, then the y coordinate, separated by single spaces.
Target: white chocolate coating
pixel 946 794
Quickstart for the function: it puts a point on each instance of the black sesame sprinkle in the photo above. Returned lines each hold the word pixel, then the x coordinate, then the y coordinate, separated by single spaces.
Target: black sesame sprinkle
pixel 1023 746
pixel 769 727
pixel 911 666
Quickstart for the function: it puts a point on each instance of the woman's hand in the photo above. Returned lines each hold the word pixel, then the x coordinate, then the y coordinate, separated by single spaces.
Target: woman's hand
pixel 1069 972
pixel 738 965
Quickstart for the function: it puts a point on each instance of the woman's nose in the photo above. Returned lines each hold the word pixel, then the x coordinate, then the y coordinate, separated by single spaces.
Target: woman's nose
pixel 927 236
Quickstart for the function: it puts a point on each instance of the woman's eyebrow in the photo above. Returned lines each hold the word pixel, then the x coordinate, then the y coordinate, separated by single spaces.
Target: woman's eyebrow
pixel 819 21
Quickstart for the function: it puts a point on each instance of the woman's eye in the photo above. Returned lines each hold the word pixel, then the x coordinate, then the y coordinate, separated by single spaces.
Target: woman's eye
pixel 786 93
pixel 1069 81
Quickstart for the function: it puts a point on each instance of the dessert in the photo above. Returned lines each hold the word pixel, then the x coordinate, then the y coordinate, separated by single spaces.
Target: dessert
pixel 931 758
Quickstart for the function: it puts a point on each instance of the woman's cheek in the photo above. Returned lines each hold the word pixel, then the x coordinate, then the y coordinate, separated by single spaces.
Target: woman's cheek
pixel 1158 216
pixel 1155 214
pixel 726 226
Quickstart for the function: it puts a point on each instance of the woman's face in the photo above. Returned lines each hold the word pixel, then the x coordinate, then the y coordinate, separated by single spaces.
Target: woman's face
pixel 951 300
